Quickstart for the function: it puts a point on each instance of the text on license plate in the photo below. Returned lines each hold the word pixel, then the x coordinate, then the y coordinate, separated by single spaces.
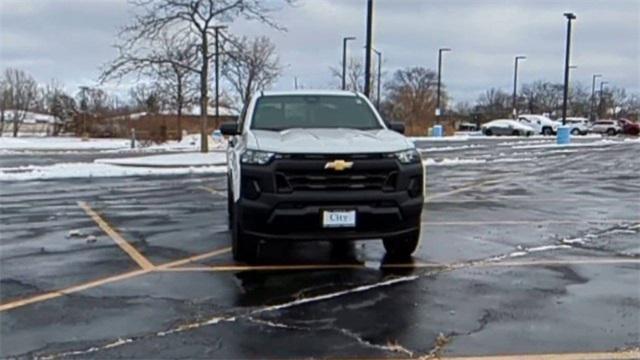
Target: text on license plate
pixel 339 218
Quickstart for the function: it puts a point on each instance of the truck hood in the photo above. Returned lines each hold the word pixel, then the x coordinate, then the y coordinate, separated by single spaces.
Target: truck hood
pixel 328 141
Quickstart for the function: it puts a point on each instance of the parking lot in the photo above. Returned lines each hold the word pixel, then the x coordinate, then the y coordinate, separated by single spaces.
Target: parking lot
pixel 527 248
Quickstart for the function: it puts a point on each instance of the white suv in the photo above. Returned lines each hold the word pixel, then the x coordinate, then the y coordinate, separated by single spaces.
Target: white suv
pixel 578 125
pixel 609 127
pixel 321 165
pixel 539 123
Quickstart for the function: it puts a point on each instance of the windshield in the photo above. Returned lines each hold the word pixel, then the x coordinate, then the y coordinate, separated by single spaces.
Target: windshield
pixel 313 111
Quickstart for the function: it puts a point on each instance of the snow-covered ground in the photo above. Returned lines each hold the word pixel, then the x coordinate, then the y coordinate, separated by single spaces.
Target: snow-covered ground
pixel 89 170
pixel 467 137
pixel 170 160
pixel 61 143
pixel 69 144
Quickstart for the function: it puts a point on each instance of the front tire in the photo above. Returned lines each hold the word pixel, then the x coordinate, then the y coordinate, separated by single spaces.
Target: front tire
pixel 611 132
pixel 575 132
pixel 547 131
pixel 488 132
pixel 402 246
pixel 244 247
pixel 515 133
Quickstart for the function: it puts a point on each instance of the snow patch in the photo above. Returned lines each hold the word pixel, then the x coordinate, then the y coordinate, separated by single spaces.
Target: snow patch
pixel 89 170
pixel 170 160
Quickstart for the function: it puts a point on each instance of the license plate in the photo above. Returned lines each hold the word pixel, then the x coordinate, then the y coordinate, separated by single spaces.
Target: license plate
pixel 339 218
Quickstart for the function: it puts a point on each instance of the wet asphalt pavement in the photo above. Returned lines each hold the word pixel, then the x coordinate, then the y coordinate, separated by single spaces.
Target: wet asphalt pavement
pixel 525 249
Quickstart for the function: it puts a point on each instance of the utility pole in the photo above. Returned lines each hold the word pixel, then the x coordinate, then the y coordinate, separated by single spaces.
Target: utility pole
pixel 515 86
pixel 217 33
pixel 569 16
pixel 601 103
pixel 593 96
pixel 438 110
pixel 344 60
pixel 367 56
pixel 379 54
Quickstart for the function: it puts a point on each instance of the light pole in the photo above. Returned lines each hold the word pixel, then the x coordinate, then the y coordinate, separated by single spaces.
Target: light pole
pixel 515 86
pixel 569 16
pixel 367 56
pixel 217 34
pixel 593 96
pixel 440 51
pixel 379 54
pixel 602 83
pixel 344 60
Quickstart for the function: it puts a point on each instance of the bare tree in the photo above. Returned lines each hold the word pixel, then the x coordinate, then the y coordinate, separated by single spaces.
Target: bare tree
pixel 494 103
pixel 53 100
pixel 411 98
pixel 146 97
pixel 4 102
pixel 253 66
pixel 354 75
pixel 20 91
pixel 192 22
pixel 171 64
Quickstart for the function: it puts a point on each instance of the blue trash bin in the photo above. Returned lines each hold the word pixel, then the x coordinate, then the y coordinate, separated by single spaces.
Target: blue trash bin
pixel 437 131
pixel 564 135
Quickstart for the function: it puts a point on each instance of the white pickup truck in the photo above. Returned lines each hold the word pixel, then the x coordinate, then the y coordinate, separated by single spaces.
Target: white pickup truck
pixel 540 123
pixel 321 165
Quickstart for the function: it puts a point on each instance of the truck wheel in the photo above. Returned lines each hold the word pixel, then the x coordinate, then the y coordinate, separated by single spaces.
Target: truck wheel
pixel 547 131
pixel 244 247
pixel 402 246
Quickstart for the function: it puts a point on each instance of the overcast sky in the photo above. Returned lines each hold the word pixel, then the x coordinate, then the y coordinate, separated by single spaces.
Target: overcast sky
pixel 69 39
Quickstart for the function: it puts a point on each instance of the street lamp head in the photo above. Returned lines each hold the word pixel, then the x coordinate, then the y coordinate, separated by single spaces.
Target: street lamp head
pixel 444 49
pixel 573 66
pixel 570 16
pixel 350 38
pixel 597 75
pixel 520 57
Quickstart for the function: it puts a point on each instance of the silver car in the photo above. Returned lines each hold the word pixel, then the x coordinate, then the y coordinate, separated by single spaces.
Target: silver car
pixel 506 127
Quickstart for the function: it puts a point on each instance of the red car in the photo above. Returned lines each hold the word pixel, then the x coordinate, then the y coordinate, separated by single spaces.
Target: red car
pixel 629 127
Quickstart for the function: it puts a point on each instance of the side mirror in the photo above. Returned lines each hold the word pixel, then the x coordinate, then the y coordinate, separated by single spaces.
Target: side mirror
pixel 229 129
pixel 398 127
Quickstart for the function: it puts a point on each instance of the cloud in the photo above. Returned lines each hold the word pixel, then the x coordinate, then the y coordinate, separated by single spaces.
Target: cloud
pixel 70 39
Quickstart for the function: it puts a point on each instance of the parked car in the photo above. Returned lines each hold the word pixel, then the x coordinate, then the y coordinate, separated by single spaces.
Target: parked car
pixel 609 127
pixel 321 165
pixel 629 127
pixel 539 123
pixel 578 125
pixel 506 127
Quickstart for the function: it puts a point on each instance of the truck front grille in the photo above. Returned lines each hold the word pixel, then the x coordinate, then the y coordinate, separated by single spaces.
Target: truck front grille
pixel 372 172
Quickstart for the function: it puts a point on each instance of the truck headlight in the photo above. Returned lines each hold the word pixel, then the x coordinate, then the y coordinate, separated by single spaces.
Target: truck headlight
pixel 410 156
pixel 255 157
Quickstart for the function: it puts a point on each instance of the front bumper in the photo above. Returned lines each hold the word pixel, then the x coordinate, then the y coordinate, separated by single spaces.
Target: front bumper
pixel 297 214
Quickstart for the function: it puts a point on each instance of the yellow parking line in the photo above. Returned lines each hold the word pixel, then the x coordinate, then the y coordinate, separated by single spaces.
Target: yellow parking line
pixel 473 185
pixel 528 222
pixel 416 265
pixel 621 355
pixel 559 262
pixel 70 290
pixel 224 268
pixel 516 263
pixel 115 236
pixel 110 279
pixel 194 258
pixel 212 190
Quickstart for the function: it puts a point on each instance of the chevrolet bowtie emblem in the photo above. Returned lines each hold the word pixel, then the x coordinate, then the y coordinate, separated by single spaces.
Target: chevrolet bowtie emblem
pixel 338 165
